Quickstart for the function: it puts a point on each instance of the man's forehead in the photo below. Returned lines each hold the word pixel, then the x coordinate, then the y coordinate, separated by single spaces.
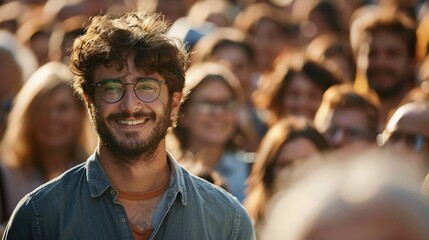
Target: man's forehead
pixel 126 65
pixel 123 71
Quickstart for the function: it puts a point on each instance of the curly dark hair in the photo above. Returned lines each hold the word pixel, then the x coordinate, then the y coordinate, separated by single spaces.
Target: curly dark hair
pixel 110 39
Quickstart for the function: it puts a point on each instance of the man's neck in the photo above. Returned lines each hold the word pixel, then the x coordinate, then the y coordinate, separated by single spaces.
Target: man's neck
pixel 141 176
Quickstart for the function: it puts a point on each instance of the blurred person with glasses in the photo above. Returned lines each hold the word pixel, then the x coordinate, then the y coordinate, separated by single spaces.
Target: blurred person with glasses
pixel 131 74
pixel 208 131
pixel 348 119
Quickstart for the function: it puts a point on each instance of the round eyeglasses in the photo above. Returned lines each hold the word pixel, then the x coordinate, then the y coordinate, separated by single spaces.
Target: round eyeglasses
pixel 113 90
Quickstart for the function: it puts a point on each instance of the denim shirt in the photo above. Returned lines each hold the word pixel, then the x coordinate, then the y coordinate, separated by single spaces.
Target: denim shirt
pixel 82 204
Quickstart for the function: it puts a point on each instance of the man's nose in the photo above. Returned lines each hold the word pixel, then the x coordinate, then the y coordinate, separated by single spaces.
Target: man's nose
pixel 130 102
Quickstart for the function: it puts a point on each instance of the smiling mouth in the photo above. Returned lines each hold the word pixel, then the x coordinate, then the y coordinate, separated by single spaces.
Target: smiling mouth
pixel 133 122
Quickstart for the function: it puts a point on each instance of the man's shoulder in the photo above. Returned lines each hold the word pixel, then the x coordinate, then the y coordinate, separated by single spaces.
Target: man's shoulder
pixel 51 198
pixel 59 186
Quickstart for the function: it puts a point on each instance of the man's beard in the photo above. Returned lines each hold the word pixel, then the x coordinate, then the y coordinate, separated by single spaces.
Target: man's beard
pixel 131 149
pixel 388 92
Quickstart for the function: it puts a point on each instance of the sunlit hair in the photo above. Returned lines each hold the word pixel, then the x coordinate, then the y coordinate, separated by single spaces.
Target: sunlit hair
pixel 195 76
pixel 18 148
pixel 344 96
pixel 261 180
pixel 110 39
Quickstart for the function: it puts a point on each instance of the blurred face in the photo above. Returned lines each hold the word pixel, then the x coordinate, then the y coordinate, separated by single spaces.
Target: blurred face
pixel 269 42
pixel 59 120
pixel 131 128
pixel 389 64
pixel 40 46
pixel 237 61
pixel 348 126
pixel 291 156
pixel 294 151
pixel 302 97
pixel 210 117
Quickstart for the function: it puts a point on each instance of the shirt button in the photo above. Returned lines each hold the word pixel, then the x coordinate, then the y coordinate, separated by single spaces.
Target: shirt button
pixel 123 220
pixel 112 192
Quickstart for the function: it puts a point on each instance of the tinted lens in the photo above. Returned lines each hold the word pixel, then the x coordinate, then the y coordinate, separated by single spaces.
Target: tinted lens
pixel 147 90
pixel 111 90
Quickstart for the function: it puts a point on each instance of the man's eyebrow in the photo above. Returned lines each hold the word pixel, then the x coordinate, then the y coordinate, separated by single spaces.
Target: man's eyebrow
pixel 148 78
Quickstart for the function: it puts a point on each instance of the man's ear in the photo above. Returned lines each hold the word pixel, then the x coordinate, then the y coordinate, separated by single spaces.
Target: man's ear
pixel 175 104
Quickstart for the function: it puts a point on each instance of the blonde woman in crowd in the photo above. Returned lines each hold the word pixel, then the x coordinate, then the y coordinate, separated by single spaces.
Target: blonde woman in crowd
pixel 233 48
pixel 47 134
pixel 208 131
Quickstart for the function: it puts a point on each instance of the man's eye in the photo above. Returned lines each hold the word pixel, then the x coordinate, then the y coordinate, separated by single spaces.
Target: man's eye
pixel 145 87
pixel 112 87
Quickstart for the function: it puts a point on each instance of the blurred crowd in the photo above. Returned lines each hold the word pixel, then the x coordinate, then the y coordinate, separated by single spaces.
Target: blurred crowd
pixel 310 112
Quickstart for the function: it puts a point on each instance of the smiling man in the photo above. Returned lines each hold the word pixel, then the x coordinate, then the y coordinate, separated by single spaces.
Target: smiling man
pixel 384 43
pixel 131 75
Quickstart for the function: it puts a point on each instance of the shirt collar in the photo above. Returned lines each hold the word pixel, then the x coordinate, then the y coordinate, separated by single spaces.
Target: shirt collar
pixel 97 179
pixel 178 178
pixel 99 182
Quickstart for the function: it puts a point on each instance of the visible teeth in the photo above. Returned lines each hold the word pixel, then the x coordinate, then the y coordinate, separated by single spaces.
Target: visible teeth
pixel 129 122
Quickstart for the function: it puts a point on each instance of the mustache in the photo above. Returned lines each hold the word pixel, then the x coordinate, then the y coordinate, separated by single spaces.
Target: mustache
pixel 123 115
